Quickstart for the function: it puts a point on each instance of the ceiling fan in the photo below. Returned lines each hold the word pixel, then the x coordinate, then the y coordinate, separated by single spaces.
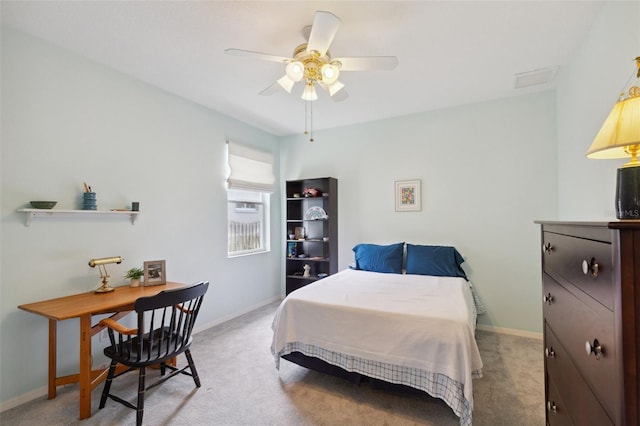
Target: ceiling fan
pixel 313 65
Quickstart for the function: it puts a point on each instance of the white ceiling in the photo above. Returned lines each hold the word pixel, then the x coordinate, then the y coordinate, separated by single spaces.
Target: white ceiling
pixel 450 52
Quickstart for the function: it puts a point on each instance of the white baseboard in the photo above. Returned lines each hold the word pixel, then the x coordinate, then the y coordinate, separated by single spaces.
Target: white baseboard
pixel 42 392
pixel 202 327
pixel 24 398
pixel 509 331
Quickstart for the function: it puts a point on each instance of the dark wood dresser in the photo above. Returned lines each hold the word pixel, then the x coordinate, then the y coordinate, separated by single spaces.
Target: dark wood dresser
pixel 591 310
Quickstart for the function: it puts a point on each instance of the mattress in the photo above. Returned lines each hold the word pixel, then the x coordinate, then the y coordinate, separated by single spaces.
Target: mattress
pixel 411 329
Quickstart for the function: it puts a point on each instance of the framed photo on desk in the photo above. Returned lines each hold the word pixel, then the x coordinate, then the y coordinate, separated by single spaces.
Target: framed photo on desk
pixel 155 272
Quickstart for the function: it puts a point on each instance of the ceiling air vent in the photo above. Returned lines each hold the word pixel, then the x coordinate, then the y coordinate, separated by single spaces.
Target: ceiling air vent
pixel 533 78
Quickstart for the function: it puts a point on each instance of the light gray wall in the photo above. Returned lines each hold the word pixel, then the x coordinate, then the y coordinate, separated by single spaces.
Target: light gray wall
pixel 588 88
pixel 66 120
pixel 487 170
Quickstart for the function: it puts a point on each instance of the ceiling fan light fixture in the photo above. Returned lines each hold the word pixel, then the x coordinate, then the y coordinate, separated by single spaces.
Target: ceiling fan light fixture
pixel 334 87
pixel 295 70
pixel 309 93
pixel 286 83
pixel 330 73
pixel 312 64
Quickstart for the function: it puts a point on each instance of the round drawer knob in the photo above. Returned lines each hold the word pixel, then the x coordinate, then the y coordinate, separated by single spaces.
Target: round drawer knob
pixel 547 248
pixel 551 407
pixel 590 267
pixel 549 353
pixel 547 298
pixel 594 348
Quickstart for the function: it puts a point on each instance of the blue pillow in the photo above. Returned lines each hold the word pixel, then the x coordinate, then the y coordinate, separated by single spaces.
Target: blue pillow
pixel 375 258
pixel 439 261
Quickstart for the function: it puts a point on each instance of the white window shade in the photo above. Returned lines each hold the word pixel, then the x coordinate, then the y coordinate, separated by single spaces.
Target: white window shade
pixel 251 169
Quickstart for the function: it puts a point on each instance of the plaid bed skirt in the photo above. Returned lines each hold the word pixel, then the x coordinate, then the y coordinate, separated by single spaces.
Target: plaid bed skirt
pixel 435 384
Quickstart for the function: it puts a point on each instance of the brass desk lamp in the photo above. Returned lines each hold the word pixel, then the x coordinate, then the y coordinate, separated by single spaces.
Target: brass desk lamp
pixel 105 288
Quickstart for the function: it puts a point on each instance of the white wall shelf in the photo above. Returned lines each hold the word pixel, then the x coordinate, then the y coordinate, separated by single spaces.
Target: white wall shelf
pixel 41 213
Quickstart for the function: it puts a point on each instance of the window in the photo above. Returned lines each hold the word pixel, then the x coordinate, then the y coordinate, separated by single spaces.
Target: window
pixel 250 182
pixel 248 220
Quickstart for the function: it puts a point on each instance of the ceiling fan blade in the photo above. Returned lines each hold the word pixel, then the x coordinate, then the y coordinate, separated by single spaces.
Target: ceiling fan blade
pixel 257 55
pixel 364 63
pixel 324 28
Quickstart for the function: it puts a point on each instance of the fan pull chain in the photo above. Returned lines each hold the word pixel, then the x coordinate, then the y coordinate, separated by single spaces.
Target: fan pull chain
pixel 311 122
pixel 306 126
pixel 308 119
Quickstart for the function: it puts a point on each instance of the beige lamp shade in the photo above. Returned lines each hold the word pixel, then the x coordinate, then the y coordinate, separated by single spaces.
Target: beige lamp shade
pixel 619 137
pixel 620 130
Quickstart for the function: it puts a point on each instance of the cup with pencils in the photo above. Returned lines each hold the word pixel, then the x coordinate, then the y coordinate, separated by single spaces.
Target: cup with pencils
pixel 89 201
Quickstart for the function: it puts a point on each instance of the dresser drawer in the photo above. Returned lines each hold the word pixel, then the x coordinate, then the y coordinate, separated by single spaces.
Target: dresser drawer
pixel 575 322
pixel 568 394
pixel 557 414
pixel 573 260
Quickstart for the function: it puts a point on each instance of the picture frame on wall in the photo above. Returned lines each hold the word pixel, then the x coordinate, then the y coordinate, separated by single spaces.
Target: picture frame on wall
pixel 408 196
pixel 155 272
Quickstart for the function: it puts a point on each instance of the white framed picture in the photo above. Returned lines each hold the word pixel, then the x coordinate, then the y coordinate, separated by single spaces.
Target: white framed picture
pixel 408 196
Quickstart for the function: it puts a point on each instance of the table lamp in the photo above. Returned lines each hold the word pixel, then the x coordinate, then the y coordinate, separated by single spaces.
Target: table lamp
pixel 619 137
pixel 105 288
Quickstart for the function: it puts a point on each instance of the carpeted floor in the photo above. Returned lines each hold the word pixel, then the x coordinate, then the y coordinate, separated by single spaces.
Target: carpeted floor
pixel 241 386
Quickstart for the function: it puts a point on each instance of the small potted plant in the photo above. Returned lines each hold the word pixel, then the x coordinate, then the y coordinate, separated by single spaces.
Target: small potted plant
pixel 134 274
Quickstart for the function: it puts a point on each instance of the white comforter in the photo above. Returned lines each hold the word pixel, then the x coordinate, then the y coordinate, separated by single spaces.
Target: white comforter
pixel 414 321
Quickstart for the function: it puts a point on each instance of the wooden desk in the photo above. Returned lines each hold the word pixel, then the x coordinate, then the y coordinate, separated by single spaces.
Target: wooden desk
pixel 84 306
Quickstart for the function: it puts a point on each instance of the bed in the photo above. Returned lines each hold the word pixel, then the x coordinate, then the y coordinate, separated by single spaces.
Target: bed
pixel 382 320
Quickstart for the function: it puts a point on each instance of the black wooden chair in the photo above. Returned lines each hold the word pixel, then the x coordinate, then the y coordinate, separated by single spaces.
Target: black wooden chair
pixel 165 322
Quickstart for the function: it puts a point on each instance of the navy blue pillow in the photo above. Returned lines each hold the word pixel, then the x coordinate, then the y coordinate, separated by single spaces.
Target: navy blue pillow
pixel 439 261
pixel 376 258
